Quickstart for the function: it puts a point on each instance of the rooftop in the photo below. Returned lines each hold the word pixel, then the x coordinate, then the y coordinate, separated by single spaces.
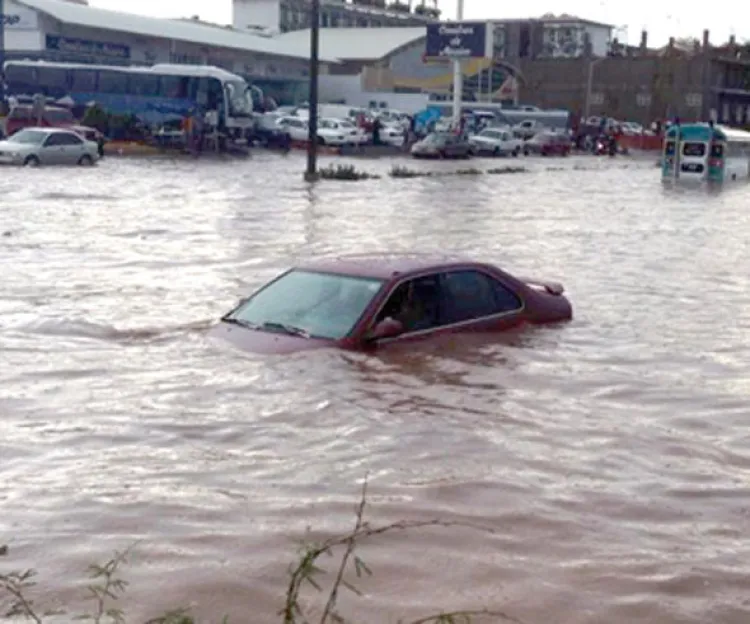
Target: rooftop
pixel 178 30
pixel 383 265
pixel 354 44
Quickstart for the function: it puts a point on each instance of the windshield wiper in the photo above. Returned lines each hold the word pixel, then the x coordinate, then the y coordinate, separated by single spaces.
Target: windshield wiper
pixel 288 329
pixel 240 322
pixel 269 325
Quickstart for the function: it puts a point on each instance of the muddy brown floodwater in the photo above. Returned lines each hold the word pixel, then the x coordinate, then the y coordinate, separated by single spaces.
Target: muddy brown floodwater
pixel 611 456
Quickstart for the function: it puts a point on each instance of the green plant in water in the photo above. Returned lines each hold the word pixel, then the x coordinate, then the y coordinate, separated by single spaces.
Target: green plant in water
pixel 399 171
pixel 305 572
pixel 501 170
pixel 344 172
pixel 470 171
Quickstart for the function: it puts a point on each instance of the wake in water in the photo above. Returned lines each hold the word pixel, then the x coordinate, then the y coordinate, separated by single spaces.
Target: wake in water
pixel 81 328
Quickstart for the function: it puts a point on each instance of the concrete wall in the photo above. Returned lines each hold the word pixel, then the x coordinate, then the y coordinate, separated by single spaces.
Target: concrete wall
pixel 351 90
pixel 637 89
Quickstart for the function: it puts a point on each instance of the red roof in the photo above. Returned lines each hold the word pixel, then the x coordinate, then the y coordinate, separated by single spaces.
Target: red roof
pixel 382 266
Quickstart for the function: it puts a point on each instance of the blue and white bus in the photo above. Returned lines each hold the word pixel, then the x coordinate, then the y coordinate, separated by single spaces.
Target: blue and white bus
pixel 705 152
pixel 155 95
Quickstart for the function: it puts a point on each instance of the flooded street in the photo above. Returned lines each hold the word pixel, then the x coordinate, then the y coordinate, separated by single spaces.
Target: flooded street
pixel 609 456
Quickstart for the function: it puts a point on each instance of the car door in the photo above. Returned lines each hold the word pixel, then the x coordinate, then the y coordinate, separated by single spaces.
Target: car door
pixel 451 145
pixel 415 303
pixel 475 300
pixel 52 150
pixel 72 148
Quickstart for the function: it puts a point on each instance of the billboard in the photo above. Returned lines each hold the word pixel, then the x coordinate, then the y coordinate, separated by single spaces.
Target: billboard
pixel 459 40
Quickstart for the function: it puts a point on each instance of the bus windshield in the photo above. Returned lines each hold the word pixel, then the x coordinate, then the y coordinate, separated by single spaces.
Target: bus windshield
pixel 239 99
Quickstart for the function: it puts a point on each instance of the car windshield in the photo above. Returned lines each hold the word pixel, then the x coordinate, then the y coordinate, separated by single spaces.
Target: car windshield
pixel 326 123
pixel 28 137
pixel 240 98
pixel 435 138
pixel 323 305
pixel 491 134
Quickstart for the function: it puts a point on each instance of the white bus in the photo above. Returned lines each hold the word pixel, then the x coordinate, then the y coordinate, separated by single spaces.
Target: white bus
pixel 155 95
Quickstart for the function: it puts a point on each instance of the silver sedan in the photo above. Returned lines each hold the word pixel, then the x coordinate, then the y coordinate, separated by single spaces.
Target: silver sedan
pixel 47 146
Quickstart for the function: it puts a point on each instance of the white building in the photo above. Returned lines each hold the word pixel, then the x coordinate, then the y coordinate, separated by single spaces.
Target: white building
pixel 276 16
pixel 62 30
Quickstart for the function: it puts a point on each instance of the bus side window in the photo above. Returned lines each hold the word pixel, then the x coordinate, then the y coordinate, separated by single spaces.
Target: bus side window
pixel 84 80
pixel 145 85
pixel 173 87
pixel 215 94
pixel 113 82
pixel 21 79
pixel 53 81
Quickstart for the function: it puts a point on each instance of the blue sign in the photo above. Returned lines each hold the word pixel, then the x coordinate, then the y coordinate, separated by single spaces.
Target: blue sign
pixel 84 46
pixel 458 40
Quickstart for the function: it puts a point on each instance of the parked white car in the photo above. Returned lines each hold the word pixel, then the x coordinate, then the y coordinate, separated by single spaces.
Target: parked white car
pixel 356 136
pixel 32 147
pixel 496 141
pixel 298 130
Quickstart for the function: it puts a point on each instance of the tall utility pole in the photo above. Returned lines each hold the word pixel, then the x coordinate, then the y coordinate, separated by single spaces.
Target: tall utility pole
pixel 312 135
pixel 458 77
pixel 2 47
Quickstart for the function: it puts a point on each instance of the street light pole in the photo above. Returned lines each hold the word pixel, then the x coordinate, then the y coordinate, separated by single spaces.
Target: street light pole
pixel 312 135
pixel 458 78
pixel 2 47
pixel 590 86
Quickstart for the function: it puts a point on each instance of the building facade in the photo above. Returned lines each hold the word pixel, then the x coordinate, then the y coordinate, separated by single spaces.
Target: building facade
pixel 57 30
pixel 702 83
pixel 280 16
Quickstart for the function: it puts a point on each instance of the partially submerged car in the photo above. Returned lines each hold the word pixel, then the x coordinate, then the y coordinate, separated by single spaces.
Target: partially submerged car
pixel 365 302
pixel 441 145
pixel 32 147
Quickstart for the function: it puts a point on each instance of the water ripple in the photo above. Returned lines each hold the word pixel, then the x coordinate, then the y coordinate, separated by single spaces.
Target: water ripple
pixel 610 457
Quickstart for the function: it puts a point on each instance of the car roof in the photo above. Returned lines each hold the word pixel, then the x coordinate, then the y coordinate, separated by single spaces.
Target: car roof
pixel 47 130
pixel 384 265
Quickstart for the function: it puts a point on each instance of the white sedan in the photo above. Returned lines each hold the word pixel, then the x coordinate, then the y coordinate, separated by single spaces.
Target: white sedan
pixel 298 130
pixel 32 147
pixel 356 135
pixel 496 141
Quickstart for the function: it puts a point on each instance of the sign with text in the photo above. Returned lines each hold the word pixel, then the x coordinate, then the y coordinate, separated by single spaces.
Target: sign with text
pixel 459 40
pixel 17 17
pixel 84 46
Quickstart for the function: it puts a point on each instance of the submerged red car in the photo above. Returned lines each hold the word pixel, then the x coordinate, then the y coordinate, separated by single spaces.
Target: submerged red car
pixel 365 302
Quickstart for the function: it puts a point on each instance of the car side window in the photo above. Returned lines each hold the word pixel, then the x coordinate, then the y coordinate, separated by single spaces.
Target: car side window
pixel 415 303
pixel 53 140
pixel 469 295
pixel 69 139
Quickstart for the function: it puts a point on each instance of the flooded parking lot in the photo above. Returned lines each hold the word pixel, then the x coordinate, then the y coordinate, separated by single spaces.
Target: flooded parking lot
pixel 610 456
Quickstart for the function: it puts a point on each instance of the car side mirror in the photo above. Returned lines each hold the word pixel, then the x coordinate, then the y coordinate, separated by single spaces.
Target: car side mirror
pixel 387 328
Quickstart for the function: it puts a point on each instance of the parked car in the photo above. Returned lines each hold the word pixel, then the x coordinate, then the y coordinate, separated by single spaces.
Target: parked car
pixel 528 128
pixel 441 145
pixel 350 131
pixel 496 141
pixel 47 146
pixel 21 116
pixel 548 144
pixel 298 130
pixel 370 301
